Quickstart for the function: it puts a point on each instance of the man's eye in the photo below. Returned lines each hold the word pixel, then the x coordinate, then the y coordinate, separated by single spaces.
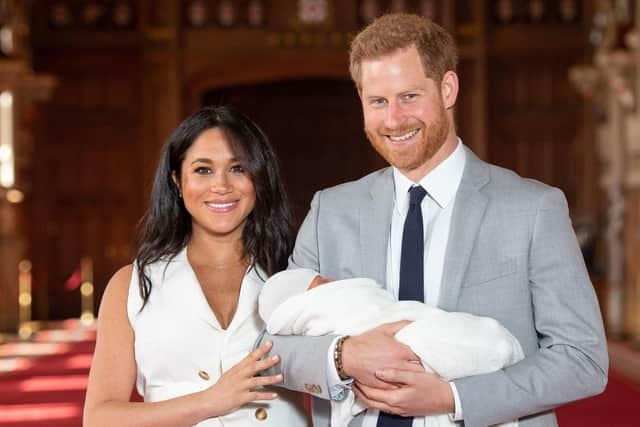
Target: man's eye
pixel 410 96
pixel 378 102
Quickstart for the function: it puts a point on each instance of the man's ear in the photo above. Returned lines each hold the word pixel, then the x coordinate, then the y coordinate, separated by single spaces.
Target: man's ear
pixel 449 89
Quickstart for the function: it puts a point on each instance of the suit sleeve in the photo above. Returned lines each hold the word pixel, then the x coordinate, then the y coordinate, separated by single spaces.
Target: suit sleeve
pixel 571 362
pixel 304 359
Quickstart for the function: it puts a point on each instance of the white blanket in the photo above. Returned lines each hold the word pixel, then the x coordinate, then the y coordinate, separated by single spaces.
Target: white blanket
pixel 454 345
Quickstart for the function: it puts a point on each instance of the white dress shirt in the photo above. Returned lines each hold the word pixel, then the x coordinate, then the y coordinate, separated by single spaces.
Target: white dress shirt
pixel 441 185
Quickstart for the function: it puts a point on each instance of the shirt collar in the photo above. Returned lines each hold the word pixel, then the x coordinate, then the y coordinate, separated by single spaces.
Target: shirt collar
pixel 441 183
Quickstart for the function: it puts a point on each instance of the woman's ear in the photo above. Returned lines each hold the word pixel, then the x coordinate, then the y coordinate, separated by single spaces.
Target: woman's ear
pixel 174 178
pixel 449 89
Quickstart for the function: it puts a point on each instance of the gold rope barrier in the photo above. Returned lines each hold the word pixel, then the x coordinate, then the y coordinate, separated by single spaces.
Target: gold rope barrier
pixel 86 291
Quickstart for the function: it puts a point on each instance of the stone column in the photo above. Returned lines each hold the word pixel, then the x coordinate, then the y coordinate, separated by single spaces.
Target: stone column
pixel 632 183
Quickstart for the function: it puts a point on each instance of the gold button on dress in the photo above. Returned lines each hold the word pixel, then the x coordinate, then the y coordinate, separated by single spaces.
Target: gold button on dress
pixel 204 375
pixel 261 414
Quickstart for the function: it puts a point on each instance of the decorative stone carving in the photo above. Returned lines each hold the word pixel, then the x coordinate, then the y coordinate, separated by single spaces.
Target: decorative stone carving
pixel 369 10
pixel 226 13
pixel 428 9
pixel 197 13
pixel 611 82
pixel 123 15
pixel 92 13
pixel 60 15
pixel 505 11
pixel 256 14
pixel 568 10
pixel 313 11
pixel 398 6
pixel 536 10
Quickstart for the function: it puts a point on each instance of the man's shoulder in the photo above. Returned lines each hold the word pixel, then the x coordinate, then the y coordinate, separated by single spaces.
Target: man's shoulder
pixel 508 185
pixel 357 189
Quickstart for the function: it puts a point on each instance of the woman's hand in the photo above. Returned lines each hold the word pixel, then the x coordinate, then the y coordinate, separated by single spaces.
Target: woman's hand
pixel 238 386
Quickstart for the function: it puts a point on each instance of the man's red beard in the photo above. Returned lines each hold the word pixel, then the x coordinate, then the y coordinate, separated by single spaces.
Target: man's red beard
pixel 416 153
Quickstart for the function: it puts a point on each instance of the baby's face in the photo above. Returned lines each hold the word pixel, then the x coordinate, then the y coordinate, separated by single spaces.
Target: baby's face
pixel 318 281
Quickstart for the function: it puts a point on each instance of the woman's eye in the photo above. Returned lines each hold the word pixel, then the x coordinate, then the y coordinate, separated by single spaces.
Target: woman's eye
pixel 237 169
pixel 202 170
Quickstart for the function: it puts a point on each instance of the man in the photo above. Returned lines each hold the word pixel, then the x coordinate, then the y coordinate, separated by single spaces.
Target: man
pixel 490 243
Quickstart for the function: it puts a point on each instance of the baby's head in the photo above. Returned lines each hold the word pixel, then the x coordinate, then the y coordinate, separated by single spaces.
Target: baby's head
pixel 318 281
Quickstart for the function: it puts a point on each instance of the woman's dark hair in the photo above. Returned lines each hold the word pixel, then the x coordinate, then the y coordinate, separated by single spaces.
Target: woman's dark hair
pixel 166 226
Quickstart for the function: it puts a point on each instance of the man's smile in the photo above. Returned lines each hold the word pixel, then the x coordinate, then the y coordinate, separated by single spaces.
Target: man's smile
pixel 402 138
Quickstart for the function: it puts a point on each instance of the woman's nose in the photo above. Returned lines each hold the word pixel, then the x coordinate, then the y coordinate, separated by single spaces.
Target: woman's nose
pixel 220 183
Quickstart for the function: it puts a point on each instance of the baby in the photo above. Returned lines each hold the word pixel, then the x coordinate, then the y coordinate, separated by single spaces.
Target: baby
pixel 453 345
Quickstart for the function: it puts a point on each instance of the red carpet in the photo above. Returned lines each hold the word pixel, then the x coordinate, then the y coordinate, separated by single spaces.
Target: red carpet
pixel 43 382
pixel 613 408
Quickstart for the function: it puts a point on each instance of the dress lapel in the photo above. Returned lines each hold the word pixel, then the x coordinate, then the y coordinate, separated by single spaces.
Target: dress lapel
pixel 468 211
pixel 192 293
pixel 375 220
pixel 248 298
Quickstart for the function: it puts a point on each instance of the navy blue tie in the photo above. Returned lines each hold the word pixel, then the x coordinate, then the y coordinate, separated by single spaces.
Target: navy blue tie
pixel 411 275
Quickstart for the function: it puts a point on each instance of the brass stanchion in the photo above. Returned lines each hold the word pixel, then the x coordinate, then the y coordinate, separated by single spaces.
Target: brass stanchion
pixel 25 328
pixel 86 291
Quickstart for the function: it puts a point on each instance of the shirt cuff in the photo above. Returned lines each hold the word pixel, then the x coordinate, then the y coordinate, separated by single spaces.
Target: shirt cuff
pixel 457 416
pixel 338 389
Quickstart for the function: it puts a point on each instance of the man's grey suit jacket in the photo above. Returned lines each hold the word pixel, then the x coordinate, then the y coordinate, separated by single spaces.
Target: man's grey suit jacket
pixel 512 255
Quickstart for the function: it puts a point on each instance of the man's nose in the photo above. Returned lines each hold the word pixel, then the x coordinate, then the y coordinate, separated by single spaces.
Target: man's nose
pixel 394 116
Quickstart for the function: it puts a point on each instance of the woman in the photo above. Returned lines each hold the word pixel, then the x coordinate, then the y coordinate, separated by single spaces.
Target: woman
pixel 182 320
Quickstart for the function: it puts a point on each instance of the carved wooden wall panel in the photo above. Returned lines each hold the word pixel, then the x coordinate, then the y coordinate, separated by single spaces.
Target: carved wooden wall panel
pixel 535 118
pixel 315 126
pixel 470 108
pixel 533 121
pixel 87 174
pixel 123 88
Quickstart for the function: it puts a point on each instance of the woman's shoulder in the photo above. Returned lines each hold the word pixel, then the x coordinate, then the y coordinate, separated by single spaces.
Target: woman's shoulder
pixel 123 274
pixel 161 265
pixel 118 286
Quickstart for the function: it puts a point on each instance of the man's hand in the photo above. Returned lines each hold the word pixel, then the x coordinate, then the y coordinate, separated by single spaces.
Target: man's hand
pixel 416 394
pixel 363 355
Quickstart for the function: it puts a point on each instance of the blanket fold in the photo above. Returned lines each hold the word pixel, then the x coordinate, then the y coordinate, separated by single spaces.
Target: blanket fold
pixel 451 344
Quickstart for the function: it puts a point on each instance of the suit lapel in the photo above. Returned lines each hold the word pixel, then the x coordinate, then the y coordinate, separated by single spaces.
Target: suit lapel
pixel 468 211
pixel 375 220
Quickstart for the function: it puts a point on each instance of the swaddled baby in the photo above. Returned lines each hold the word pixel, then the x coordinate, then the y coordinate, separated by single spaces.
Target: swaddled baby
pixel 453 345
